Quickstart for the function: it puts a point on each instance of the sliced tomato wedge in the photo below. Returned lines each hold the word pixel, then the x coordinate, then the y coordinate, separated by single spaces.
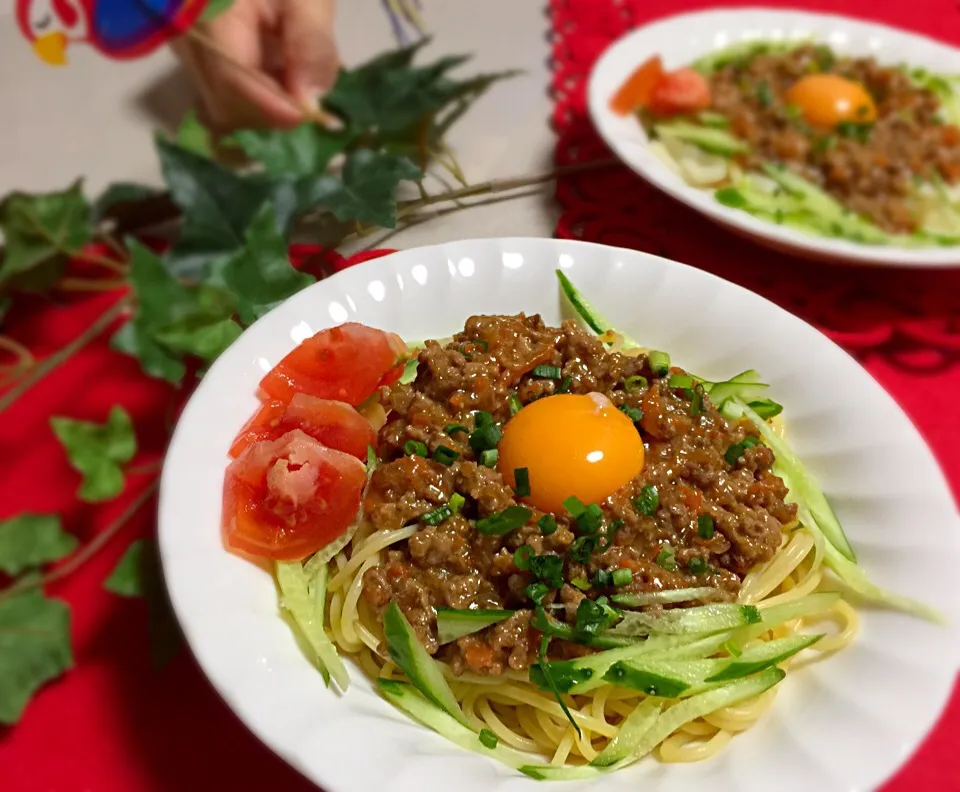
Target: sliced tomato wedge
pixel 335 424
pixel 345 363
pixel 680 91
pixel 287 498
pixel 635 92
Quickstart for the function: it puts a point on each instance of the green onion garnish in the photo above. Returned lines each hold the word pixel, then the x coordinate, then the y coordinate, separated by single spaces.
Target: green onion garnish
pixel 622 577
pixel 732 649
pixel 415 448
pixel 647 501
pixel 667 558
pixel 452 429
pixel 481 418
pixel 750 441
pixel 438 515
pixel 590 519
pixel 582 548
pixel 456 502
pixel 544 667
pixel 486 435
pixel 581 583
pixel 696 400
pixel 548 524
pixel 515 404
pixel 565 385
pixel 705 526
pixel 764 94
pixel 509 519
pixel 488 739
pixel 635 414
pixel 548 568
pixel 547 372
pixel 469 348
pixel 521 557
pixel 635 383
pixel 574 506
pixel 733 454
pixel 371 458
pixel 697 565
pixel 444 455
pixel 489 457
pixel 602 578
pixel 659 363
pixel 522 478
pixel 536 591
pixel 680 381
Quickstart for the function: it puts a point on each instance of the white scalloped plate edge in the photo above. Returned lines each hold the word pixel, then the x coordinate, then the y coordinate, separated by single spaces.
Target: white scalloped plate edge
pixel 843 724
pixel 682 38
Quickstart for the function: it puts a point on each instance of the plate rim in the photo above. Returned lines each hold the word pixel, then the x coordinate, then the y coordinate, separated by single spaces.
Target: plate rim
pixel 770 235
pixel 234 697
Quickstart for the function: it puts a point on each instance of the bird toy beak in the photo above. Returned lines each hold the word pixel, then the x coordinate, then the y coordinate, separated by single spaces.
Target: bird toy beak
pixel 51 48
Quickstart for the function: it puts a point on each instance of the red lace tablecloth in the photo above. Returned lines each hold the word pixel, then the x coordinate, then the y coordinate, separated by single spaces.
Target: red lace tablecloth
pixel 903 325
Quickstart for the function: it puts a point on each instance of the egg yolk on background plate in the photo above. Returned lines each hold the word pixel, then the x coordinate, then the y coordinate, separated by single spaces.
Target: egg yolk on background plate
pixel 827 100
pixel 570 445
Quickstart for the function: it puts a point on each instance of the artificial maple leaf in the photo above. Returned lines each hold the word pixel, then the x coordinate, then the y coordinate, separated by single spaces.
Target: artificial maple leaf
pixel 98 452
pixel 31 540
pixel 305 150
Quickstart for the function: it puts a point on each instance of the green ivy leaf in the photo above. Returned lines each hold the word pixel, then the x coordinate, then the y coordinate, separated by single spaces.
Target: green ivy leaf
pixel 365 192
pixel 97 452
pixel 34 649
pixel 214 9
pixel 39 232
pixel 261 275
pixel 305 150
pixel 172 319
pixel 194 136
pixel 31 540
pixel 126 580
pixel 118 194
pixel 137 574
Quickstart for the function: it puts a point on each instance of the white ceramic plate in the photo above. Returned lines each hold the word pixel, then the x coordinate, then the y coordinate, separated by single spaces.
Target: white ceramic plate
pixel 841 725
pixel 681 39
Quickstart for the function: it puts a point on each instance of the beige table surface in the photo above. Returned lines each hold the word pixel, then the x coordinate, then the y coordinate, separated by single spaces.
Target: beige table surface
pixel 94 117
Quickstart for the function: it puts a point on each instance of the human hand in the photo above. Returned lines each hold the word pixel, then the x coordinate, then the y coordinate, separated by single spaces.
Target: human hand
pixel 262 62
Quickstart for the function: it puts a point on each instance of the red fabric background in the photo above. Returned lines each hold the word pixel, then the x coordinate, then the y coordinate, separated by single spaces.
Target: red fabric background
pixel 903 325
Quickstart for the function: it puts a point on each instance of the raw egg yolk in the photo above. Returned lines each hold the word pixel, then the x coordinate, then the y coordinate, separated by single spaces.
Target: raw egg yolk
pixel 827 100
pixel 571 445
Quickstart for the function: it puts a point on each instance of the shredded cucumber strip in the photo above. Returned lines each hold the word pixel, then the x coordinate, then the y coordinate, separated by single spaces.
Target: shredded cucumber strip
pixel 590 315
pixel 305 598
pixel 631 732
pixel 702 619
pixel 667 596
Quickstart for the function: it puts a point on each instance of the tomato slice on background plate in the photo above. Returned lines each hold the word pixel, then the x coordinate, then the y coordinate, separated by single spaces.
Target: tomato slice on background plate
pixel 287 498
pixel 635 92
pixel 346 363
pixel 335 424
pixel 681 91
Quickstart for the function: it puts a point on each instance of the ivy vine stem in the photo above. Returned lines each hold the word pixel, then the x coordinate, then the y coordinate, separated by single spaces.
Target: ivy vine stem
pixel 48 364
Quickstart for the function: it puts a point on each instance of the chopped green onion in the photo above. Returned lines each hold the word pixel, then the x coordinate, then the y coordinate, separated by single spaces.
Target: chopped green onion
pixel 659 363
pixel 697 565
pixel 647 501
pixel 547 372
pixel 414 448
pixel 612 529
pixel 574 506
pixel 680 381
pixel 548 568
pixel 733 454
pixel 667 558
pixel 481 418
pixel 635 383
pixel 733 649
pixel 515 404
pixel 371 459
pixel 469 348
pixel 590 519
pixel 489 457
pixel 488 739
pixel 635 414
pixel 581 583
pixel 438 515
pixel 565 385
pixel 536 591
pixel 452 429
pixel 445 456
pixel 548 524
pixel 582 548
pixel 705 526
pixel 622 577
pixel 696 401
pixel 456 502
pixel 593 616
pixel 602 578
pixel 509 519
pixel 750 441
pixel 522 478
pixel 764 94
pixel 521 557
pixel 486 435
pixel 543 665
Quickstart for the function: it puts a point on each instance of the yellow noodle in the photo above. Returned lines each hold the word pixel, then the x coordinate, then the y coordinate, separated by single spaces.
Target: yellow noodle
pixel 685 748
pixel 363 551
pixel 498 727
pixel 759 583
pixel 842 612
pixel 563 748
